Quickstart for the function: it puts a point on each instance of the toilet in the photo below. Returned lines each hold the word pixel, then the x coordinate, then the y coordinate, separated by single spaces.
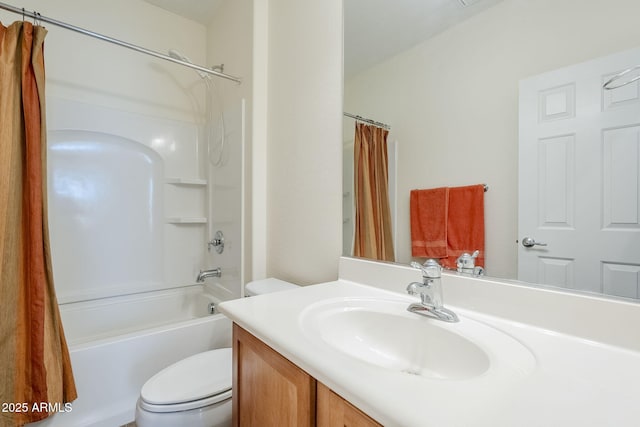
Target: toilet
pixel 267 286
pixel 196 391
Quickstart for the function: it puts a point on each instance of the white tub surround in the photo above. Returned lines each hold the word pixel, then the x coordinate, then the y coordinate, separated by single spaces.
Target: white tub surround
pixel 583 366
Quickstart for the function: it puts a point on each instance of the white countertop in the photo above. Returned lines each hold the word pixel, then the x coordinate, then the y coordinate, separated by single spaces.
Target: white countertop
pixel 573 382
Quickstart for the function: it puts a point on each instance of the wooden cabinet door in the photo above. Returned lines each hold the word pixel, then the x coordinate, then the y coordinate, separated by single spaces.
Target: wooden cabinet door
pixel 269 390
pixel 334 411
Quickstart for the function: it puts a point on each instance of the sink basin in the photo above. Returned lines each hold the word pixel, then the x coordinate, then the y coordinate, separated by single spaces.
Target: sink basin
pixel 382 333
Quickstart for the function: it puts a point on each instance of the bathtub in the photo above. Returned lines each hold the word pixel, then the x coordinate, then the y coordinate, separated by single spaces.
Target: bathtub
pixel 117 343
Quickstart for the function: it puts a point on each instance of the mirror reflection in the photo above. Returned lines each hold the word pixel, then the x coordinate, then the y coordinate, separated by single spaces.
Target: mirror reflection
pixel 508 94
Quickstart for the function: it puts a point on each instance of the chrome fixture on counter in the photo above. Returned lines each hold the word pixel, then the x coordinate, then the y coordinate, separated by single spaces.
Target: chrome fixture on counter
pixel 430 291
pixel 214 272
pixel 466 263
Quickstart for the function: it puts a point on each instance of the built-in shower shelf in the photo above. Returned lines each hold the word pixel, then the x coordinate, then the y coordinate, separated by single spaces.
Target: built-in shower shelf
pixel 186 220
pixel 186 181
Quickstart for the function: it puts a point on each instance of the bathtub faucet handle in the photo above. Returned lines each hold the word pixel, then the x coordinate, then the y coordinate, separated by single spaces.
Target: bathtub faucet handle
pixel 217 242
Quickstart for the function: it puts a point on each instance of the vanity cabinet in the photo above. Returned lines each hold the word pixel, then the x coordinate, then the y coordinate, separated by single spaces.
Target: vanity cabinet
pixel 333 411
pixel 269 390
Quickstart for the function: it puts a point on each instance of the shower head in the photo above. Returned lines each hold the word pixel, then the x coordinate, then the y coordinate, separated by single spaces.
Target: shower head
pixel 177 55
pixel 180 57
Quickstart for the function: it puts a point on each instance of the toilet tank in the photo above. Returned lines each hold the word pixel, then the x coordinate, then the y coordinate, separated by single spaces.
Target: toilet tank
pixel 267 286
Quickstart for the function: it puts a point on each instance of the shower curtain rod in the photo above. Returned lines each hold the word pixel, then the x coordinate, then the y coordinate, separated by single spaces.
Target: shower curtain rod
pixel 37 17
pixel 371 122
pixel 609 83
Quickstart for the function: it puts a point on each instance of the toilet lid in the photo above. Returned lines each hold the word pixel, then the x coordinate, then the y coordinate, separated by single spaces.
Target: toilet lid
pixel 194 378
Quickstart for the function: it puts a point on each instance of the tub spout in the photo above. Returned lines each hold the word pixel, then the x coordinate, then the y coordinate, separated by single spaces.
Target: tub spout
pixel 214 272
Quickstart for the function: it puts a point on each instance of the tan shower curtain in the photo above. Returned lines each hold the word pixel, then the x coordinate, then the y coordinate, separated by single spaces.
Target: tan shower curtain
pixel 373 237
pixel 35 369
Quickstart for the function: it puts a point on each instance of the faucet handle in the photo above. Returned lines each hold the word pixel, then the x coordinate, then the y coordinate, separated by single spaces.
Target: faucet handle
pixel 430 269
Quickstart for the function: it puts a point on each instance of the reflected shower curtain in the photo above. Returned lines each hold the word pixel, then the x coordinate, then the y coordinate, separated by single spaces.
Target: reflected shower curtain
pixel 373 237
pixel 35 369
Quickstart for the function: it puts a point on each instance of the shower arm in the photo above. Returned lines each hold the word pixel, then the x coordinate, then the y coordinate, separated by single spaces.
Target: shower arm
pixel 37 17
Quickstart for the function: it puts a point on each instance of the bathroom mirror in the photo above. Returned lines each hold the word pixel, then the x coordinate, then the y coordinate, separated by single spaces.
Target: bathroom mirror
pixel 477 79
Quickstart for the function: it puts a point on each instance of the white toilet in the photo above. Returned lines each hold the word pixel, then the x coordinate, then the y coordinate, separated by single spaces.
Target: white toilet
pixel 267 286
pixel 196 391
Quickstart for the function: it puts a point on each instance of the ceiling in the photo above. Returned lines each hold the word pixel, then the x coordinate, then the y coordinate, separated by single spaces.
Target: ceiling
pixel 374 30
pixel 379 29
pixel 201 11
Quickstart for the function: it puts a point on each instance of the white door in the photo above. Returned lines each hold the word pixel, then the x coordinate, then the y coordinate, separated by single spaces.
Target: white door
pixel 579 178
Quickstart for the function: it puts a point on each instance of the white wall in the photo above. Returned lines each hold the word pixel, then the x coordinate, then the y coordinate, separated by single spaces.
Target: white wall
pixel 92 71
pixel 94 85
pixel 452 101
pixel 304 125
pixel 260 82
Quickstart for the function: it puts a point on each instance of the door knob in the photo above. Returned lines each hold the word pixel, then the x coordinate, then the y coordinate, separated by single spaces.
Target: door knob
pixel 529 242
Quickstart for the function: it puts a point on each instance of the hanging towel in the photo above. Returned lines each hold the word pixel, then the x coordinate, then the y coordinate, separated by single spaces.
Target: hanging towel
pixel 465 224
pixel 429 222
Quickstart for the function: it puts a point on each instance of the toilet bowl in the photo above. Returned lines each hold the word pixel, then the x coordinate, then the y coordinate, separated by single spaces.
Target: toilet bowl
pixel 195 391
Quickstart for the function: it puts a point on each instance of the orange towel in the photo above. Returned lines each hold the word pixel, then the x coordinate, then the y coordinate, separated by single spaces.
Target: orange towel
pixel 465 224
pixel 429 222
pixel 446 222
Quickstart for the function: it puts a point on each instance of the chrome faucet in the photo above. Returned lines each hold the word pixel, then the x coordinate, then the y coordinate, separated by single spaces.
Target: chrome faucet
pixel 214 272
pixel 466 264
pixel 430 291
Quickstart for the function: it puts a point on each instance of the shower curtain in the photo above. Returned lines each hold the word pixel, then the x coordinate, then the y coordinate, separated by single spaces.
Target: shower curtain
pixel 373 237
pixel 35 369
